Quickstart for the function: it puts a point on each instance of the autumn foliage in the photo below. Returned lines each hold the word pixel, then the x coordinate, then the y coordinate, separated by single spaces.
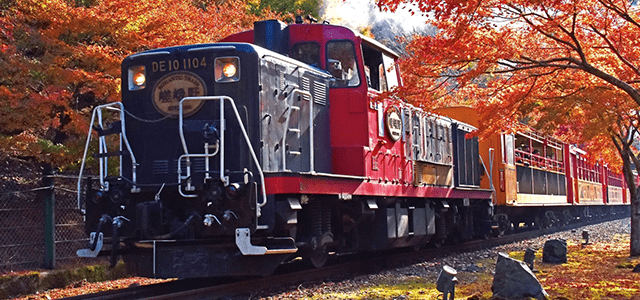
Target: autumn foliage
pixel 566 67
pixel 60 58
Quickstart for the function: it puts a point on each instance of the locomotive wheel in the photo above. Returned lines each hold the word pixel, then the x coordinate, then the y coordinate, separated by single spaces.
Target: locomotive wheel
pixel 544 221
pixel 318 257
pixel 550 219
pixel 504 225
pixel 503 228
pixel 567 218
pixel 485 235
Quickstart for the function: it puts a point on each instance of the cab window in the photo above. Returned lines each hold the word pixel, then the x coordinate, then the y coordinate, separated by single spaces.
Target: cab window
pixel 380 69
pixel 309 53
pixel 390 71
pixel 372 67
pixel 341 63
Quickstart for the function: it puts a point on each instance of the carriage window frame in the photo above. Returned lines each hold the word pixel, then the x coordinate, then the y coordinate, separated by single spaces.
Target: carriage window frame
pixel 508 149
pixel 357 74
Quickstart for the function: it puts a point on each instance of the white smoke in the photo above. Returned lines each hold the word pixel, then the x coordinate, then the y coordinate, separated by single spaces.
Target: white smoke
pixel 359 14
pixel 385 26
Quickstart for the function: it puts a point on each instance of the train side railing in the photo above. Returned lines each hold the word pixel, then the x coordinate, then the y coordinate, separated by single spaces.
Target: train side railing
pixel 531 159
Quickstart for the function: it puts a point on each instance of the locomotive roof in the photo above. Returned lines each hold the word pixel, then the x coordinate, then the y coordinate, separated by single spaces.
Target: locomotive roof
pixel 188 47
pixel 248 34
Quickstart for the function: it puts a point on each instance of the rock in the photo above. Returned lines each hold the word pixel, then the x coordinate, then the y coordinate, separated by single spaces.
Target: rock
pixel 471 269
pixel 555 251
pixel 636 269
pixel 514 280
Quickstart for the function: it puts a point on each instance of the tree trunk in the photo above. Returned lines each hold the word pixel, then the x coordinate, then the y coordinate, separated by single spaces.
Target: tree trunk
pixel 635 220
pixel 634 192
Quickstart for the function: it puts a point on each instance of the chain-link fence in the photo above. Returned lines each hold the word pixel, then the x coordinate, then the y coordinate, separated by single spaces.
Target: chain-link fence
pixel 21 220
pixel 69 220
pixel 29 199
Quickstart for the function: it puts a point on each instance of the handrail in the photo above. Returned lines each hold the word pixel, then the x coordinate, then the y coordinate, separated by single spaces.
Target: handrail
pixel 222 129
pixel 530 159
pixel 102 148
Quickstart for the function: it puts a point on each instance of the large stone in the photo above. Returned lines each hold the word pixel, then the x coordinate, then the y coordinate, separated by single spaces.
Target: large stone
pixel 514 280
pixel 555 251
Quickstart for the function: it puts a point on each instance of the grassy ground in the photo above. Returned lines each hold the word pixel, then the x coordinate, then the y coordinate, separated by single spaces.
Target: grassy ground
pixel 594 271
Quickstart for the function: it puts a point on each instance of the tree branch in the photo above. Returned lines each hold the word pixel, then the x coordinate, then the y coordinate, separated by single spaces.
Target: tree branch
pixel 623 13
pixel 615 50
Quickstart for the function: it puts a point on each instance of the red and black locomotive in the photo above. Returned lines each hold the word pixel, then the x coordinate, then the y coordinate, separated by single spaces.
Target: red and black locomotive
pixel 230 158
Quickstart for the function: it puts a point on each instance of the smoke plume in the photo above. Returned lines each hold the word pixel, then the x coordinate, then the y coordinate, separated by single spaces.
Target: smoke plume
pixel 385 26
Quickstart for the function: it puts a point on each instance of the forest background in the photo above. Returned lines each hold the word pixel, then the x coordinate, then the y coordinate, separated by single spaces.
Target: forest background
pixel 61 58
pixel 569 68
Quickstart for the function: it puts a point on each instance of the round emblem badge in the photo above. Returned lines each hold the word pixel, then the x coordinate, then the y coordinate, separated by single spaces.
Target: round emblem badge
pixel 394 123
pixel 171 88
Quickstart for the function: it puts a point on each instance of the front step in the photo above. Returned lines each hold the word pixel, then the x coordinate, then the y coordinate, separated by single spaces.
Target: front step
pixel 243 241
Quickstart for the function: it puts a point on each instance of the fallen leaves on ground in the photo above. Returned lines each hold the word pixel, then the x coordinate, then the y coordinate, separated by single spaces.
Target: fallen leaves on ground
pixel 84 287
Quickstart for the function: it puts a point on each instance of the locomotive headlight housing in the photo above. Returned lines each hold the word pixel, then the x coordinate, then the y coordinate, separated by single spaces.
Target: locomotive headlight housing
pixel 137 78
pixel 227 69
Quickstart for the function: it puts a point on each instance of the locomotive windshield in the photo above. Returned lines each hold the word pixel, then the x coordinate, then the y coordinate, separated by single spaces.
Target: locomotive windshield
pixel 341 63
pixel 309 53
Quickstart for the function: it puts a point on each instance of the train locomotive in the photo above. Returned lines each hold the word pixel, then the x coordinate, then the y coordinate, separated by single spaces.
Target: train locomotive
pixel 230 158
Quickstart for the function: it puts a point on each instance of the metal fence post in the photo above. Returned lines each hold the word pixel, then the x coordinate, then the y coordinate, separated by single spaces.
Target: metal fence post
pixel 49 218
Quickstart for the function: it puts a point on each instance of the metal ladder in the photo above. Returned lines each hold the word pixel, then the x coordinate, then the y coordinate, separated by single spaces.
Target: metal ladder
pixel 297 130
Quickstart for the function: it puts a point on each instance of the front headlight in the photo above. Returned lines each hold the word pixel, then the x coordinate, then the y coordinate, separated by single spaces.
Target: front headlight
pixel 137 78
pixel 227 69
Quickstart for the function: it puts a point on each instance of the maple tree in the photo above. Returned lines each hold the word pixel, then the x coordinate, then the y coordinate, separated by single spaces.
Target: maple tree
pixel 568 67
pixel 60 58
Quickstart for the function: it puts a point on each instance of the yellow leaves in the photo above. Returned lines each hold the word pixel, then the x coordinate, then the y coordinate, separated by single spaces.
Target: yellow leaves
pixel 591 273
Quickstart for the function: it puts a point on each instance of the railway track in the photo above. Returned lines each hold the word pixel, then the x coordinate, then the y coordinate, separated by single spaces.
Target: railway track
pixel 296 273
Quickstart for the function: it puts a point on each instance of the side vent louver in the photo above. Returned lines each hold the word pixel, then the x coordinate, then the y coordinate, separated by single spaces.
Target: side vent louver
pixel 319 93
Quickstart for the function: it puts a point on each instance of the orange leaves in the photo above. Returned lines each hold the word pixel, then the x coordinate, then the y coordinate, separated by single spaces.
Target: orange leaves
pixel 58 60
pixel 566 66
